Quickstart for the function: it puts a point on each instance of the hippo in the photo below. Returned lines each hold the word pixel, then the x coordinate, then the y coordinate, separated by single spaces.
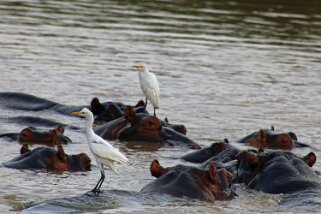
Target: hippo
pixel 50 160
pixel 108 111
pixel 269 138
pixel 187 181
pixel 32 135
pixel 220 151
pixel 277 172
pixel 27 102
pixel 142 127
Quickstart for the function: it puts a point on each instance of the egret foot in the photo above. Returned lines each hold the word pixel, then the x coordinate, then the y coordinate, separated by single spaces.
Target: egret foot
pixel 97 191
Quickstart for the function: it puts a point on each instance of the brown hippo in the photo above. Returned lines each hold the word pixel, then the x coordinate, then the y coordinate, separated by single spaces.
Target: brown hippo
pixel 32 135
pixel 269 138
pixel 49 159
pixel 142 127
pixel 108 111
pixel 187 181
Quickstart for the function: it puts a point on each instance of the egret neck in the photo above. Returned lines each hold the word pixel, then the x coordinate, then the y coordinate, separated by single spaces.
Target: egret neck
pixel 89 127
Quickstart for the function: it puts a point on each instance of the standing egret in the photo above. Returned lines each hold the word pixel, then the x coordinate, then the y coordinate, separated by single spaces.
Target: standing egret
pixel 103 151
pixel 149 85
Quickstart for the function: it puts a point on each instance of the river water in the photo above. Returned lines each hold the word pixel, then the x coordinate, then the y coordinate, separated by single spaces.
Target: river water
pixel 225 69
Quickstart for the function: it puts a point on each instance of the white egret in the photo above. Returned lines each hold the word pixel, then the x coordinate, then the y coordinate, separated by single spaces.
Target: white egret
pixel 103 151
pixel 149 85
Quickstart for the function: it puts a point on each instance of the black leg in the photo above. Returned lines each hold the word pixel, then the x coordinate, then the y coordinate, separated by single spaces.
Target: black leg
pixel 154 112
pixel 98 185
pixel 102 180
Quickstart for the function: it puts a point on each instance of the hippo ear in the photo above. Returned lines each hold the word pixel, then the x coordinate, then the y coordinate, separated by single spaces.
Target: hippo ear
pixel 61 129
pixel 293 136
pixel 95 105
pixel 25 134
pixel 130 113
pixel 212 171
pixel 140 103
pixel 253 160
pixel 216 148
pixel 166 120
pixel 272 128
pixel 24 149
pixel 156 169
pixel 61 153
pixel 310 159
pixel 226 140
pixel 262 138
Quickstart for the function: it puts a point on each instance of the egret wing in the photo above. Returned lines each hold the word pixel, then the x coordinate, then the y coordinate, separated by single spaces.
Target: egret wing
pixel 150 88
pixel 104 150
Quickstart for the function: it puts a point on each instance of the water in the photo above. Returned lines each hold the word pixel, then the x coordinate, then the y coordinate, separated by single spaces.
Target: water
pixel 226 68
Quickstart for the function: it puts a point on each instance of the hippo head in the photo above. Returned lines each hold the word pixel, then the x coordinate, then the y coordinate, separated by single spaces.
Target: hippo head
pixel 187 181
pixel 108 112
pixel 50 159
pixel 32 135
pixel 266 138
pixel 61 162
pixel 250 163
pixel 143 127
pixel 178 128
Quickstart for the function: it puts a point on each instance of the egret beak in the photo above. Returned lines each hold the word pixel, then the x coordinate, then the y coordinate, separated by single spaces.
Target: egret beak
pixel 136 66
pixel 76 113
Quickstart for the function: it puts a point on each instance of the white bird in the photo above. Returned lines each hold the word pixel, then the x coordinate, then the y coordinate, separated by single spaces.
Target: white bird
pixel 103 151
pixel 149 85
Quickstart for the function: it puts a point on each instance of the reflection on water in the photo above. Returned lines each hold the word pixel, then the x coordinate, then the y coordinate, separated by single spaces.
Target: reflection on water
pixel 226 68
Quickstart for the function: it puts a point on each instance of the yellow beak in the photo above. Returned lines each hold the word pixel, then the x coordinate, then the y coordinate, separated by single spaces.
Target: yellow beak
pixel 76 113
pixel 136 66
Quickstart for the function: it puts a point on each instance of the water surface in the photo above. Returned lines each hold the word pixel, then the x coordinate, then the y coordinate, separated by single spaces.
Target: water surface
pixel 225 68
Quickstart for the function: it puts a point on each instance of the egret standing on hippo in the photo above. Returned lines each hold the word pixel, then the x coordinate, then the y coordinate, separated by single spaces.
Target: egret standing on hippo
pixel 103 151
pixel 149 84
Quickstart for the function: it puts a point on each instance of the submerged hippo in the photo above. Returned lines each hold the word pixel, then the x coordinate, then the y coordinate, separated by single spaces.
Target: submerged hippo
pixel 105 111
pixel 50 159
pixel 142 127
pixel 277 172
pixel 219 152
pixel 32 135
pixel 108 111
pixel 269 138
pixel 187 181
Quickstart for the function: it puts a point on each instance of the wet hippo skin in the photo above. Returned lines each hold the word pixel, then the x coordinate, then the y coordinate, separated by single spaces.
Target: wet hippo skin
pixel 186 181
pixel 50 159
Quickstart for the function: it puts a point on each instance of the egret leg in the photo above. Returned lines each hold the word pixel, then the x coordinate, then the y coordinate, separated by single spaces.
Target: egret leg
pixel 145 104
pixel 101 180
pixel 154 112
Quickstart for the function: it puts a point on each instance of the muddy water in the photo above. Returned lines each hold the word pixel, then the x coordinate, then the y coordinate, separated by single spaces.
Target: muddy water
pixel 225 68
